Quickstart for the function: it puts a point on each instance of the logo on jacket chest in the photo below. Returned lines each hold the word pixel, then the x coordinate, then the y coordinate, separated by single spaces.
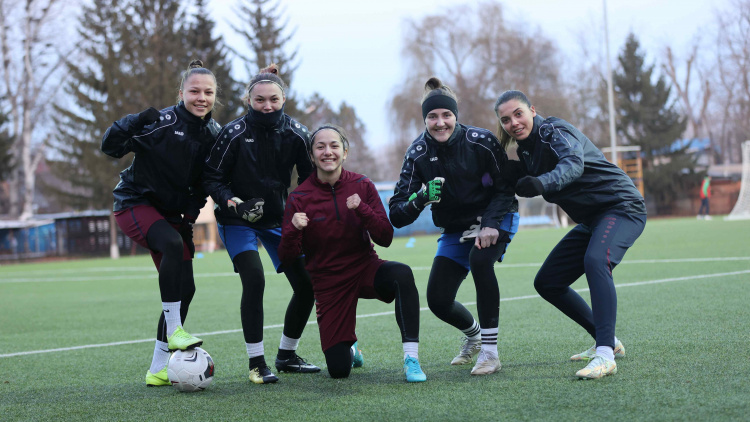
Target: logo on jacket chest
pixel 249 140
pixel 433 158
pixel 177 132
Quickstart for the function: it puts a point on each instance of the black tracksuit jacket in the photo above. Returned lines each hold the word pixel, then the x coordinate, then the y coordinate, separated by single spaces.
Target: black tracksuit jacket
pixel 574 172
pixel 252 160
pixel 472 163
pixel 167 162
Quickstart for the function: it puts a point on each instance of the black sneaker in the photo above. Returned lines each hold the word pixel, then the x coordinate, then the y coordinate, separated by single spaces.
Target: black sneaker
pixel 295 364
pixel 262 375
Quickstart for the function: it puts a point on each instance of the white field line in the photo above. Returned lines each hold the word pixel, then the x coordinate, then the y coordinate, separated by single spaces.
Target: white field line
pixel 268 327
pixel 27 279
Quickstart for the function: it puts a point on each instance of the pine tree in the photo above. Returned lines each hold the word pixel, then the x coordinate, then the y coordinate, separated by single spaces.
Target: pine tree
pixel 213 52
pixel 647 117
pixel 263 30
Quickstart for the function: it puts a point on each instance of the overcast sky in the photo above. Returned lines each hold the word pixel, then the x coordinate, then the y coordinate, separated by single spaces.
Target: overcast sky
pixel 350 50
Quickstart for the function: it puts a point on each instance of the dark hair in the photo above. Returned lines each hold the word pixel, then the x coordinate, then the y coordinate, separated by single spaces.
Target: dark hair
pixel 502 135
pixel 267 75
pixel 435 86
pixel 196 68
pixel 338 129
pixel 437 95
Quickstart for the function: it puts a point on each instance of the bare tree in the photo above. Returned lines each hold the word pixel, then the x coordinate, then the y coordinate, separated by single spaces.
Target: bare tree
pixel 479 58
pixel 731 104
pixel 694 96
pixel 30 60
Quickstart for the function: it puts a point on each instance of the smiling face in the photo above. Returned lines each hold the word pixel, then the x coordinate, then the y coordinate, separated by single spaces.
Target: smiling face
pixel 199 94
pixel 266 97
pixel 516 118
pixel 440 124
pixel 328 154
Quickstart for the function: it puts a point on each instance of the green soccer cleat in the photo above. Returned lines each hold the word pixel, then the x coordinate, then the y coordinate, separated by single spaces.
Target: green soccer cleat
pixel 262 375
pixel 357 359
pixel 413 371
pixel 158 379
pixel 181 340
pixel 591 353
pixel 469 349
pixel 599 367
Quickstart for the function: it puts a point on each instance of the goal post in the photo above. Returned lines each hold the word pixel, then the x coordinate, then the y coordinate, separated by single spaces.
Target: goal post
pixel 741 210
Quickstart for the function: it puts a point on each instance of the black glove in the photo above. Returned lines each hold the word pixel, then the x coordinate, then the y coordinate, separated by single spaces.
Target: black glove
pixel 146 117
pixel 251 210
pixel 186 231
pixel 529 187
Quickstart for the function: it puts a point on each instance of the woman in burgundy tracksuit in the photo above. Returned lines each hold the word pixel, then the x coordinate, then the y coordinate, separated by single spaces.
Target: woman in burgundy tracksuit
pixel 331 218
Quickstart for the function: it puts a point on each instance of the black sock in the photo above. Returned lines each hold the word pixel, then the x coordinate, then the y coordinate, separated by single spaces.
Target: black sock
pixel 257 361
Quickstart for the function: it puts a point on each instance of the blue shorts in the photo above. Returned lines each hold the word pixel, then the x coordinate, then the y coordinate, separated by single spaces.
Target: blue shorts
pixel 238 239
pixel 450 246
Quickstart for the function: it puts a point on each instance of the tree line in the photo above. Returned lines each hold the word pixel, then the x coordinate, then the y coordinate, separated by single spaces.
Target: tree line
pixel 128 55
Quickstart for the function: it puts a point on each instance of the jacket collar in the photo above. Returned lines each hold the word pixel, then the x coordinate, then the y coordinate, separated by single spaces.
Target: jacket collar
pixel 189 117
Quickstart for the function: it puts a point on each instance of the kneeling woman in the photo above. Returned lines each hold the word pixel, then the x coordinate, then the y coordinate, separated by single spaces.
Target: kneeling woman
pixel 331 218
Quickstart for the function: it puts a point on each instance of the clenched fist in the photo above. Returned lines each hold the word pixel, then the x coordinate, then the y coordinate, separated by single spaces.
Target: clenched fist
pixel 353 201
pixel 300 220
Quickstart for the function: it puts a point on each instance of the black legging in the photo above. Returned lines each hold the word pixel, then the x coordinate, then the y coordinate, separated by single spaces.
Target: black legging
pixel 392 280
pixel 302 301
pixel 176 281
pixel 253 286
pixel 446 277
pixel 249 266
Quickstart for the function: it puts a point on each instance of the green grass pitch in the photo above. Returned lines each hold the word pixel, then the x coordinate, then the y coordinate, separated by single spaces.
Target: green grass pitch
pixel 76 341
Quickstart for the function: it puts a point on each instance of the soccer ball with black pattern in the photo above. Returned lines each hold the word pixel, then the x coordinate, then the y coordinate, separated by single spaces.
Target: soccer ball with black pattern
pixel 190 370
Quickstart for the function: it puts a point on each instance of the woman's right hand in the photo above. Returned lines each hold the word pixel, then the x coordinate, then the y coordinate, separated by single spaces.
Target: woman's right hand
pixel 299 220
pixel 147 116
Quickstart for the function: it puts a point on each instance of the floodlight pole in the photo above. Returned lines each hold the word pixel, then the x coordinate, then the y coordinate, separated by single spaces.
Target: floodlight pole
pixel 610 91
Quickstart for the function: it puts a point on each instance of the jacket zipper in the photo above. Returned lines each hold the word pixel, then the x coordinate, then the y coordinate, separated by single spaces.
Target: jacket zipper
pixel 333 192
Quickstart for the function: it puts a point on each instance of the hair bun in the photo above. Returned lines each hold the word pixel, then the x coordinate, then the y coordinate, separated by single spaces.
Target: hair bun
pixel 271 68
pixel 195 64
pixel 433 83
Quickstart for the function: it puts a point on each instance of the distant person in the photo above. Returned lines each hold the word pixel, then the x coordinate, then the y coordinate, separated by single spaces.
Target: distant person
pixel 705 195
pixel 332 218
pixel 563 165
pixel 159 197
pixel 459 169
pixel 248 173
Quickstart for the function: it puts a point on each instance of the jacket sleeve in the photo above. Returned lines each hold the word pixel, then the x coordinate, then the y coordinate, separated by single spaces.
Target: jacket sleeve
pixel 304 165
pixel 503 190
pixel 118 139
pixel 569 152
pixel 290 246
pixel 402 211
pixel 217 172
pixel 372 213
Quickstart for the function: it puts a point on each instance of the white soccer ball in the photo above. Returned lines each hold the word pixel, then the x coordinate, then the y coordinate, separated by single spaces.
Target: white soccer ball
pixel 190 370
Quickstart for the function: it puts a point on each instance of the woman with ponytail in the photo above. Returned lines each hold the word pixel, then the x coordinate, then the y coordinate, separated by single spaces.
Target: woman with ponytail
pixel 160 195
pixel 248 173
pixel 560 163
pixel 459 170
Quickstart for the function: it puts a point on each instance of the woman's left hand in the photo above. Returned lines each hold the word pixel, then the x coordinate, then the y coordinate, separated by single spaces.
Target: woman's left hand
pixel 353 201
pixel 487 237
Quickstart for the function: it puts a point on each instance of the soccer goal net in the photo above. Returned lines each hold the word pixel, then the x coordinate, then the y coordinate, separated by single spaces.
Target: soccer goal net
pixel 741 210
pixel 540 213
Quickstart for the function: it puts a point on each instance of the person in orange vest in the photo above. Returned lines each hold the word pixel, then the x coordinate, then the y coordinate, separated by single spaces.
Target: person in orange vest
pixel 705 196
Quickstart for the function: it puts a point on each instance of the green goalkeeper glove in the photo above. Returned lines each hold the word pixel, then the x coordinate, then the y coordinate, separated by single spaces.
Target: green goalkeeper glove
pixel 430 194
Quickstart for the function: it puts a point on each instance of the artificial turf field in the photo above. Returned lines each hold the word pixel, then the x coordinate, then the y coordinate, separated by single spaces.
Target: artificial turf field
pixel 76 341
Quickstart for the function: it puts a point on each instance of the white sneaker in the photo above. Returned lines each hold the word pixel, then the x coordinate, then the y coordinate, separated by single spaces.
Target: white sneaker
pixel 486 364
pixel 469 349
pixel 707 217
